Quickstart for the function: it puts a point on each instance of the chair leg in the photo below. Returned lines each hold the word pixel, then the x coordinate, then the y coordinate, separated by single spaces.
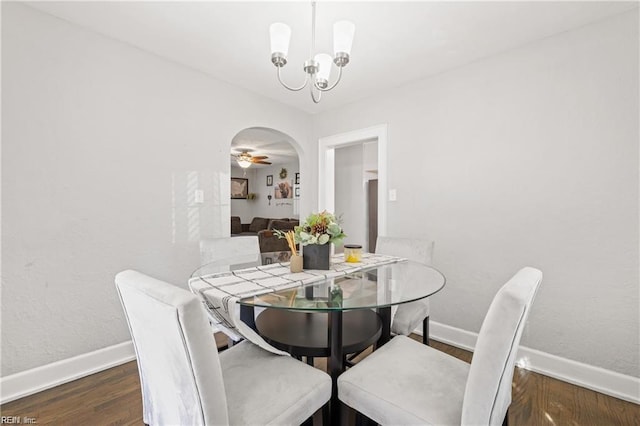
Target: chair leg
pixel 425 331
pixel 348 359
pixel 326 414
pixel 362 420
pixel 310 360
pixel 505 422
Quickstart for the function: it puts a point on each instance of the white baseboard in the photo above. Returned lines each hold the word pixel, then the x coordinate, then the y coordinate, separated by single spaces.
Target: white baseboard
pixel 598 379
pixel 47 376
pixel 595 378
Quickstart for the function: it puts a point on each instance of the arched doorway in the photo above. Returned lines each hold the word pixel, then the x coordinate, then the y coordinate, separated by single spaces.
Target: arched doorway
pixel 265 176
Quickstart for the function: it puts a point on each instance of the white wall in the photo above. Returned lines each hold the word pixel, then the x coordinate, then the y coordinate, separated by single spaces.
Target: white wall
pixel 350 194
pixel 370 159
pixel 260 206
pixel 103 146
pixel 280 208
pixel 526 158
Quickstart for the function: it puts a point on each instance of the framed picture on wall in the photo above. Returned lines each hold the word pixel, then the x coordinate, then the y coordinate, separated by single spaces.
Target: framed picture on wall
pixel 269 180
pixel 283 190
pixel 297 192
pixel 297 181
pixel 239 188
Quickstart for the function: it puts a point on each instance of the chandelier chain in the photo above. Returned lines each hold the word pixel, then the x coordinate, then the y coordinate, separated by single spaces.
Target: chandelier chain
pixel 313 29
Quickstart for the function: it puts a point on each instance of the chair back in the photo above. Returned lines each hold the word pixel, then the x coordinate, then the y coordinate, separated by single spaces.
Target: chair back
pixel 488 391
pixel 215 248
pixel 419 250
pixel 178 361
pixel 408 316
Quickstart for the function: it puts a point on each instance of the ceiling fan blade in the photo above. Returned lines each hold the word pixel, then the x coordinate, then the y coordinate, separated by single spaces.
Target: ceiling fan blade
pixel 261 162
pixel 260 157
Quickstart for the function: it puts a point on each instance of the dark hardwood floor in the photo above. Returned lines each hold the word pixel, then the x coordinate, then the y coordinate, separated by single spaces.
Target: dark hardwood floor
pixel 112 397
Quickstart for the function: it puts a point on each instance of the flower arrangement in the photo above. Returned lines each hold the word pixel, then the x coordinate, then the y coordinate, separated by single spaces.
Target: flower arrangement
pixel 315 234
pixel 319 228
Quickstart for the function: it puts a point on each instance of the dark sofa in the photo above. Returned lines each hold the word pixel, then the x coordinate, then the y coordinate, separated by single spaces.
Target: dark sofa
pixel 263 228
pixel 256 225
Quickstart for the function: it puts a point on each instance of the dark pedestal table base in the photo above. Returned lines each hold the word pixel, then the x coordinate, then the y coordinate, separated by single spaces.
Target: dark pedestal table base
pixel 321 334
pixel 307 334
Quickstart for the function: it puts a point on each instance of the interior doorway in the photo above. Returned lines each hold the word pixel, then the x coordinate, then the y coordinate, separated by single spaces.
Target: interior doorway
pixel 332 146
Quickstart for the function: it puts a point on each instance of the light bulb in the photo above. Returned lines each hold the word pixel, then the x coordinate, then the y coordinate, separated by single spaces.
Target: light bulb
pixel 343 32
pixel 324 69
pixel 280 35
pixel 243 163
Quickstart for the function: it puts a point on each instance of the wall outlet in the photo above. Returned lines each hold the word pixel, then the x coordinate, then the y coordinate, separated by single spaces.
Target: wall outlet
pixel 199 196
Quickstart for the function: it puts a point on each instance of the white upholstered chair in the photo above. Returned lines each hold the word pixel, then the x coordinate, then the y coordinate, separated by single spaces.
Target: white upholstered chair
pixel 186 382
pixel 246 248
pixel 409 315
pixel 405 382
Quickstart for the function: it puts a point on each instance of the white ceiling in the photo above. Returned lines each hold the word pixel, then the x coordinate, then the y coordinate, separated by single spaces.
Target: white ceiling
pixel 395 42
pixel 264 141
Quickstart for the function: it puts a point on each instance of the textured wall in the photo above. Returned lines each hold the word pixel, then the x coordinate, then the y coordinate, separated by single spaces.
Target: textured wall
pixel 278 208
pixel 529 157
pixel 102 148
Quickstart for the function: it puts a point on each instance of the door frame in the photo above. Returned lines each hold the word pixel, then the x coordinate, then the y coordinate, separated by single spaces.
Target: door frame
pixel 326 168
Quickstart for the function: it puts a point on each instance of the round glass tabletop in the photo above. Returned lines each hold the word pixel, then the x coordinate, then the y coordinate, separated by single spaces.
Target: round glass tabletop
pixel 373 287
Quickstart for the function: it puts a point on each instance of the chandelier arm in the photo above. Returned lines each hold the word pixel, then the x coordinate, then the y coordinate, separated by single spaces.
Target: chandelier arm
pixel 333 85
pixel 293 89
pixel 313 97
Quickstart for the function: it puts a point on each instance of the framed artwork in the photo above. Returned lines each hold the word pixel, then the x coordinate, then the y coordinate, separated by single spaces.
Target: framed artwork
pixel 283 190
pixel 297 181
pixel 297 192
pixel 239 188
pixel 269 180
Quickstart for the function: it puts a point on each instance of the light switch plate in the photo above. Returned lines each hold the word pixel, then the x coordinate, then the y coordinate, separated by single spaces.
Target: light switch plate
pixel 199 196
pixel 392 195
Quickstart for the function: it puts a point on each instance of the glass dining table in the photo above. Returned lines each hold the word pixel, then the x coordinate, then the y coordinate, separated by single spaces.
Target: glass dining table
pixel 378 287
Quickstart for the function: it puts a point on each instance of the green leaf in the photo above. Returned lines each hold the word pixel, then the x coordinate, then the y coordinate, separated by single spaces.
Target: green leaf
pixel 334 229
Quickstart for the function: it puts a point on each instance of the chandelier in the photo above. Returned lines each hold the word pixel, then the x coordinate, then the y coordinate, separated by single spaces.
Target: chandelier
pixel 318 67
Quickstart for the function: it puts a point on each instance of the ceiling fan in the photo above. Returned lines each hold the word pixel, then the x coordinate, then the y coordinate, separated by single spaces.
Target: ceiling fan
pixel 245 159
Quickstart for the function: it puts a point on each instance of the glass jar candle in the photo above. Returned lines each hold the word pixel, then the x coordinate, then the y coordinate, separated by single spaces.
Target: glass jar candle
pixel 352 253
